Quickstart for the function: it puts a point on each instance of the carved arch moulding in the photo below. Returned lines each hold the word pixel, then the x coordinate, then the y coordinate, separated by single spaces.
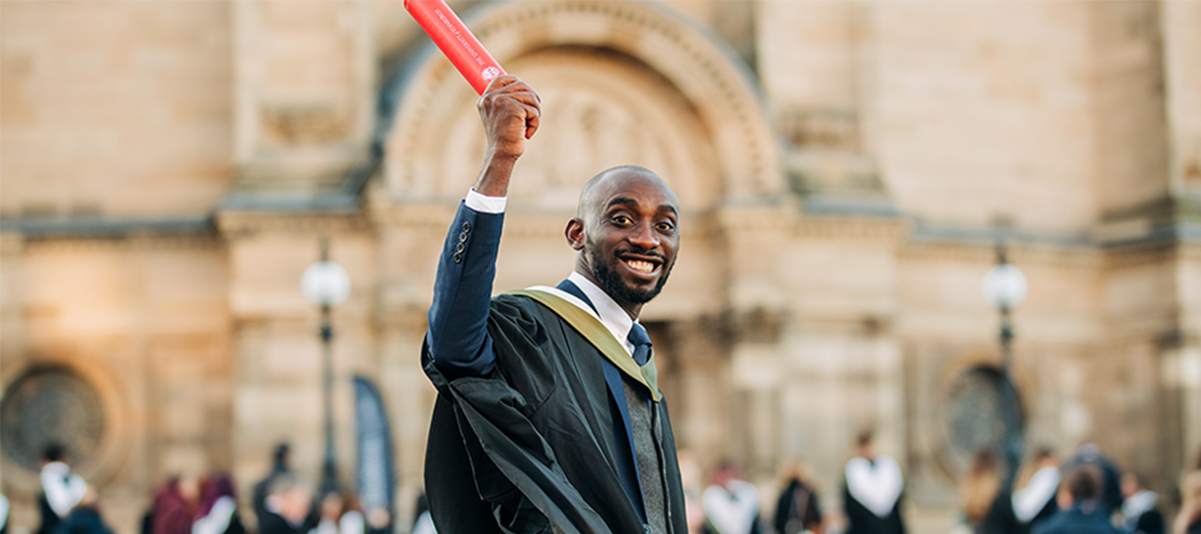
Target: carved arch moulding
pixel 621 83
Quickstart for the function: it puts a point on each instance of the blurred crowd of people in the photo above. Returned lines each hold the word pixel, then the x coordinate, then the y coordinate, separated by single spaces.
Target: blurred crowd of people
pixel 1086 494
pixel 283 503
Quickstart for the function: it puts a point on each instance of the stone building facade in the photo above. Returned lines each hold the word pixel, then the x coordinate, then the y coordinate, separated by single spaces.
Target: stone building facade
pixel 846 171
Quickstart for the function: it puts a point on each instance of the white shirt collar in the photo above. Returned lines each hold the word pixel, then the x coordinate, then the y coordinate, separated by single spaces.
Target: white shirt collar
pixel 876 484
pixel 610 314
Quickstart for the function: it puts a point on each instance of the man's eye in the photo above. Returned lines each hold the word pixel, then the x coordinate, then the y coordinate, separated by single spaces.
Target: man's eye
pixel 666 226
pixel 621 219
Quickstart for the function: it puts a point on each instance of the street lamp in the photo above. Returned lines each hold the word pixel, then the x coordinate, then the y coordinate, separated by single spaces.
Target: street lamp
pixel 1005 287
pixel 326 284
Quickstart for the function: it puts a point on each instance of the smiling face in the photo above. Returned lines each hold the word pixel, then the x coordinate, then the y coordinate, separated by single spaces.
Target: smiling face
pixel 627 234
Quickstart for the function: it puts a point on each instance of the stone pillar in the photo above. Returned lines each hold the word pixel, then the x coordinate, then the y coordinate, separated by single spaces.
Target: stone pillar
pixel 840 363
pixel 277 393
pixel 1180 26
pixel 1188 355
pixel 814 61
pixel 304 86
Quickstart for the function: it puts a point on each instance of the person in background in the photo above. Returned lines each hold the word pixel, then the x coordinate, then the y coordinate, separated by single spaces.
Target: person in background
pixel 1141 507
pixel 798 508
pixel 286 507
pixel 218 513
pixel 175 506
pixel 985 500
pixel 872 490
pixel 280 465
pixel 3 514
pixel 692 479
pixel 1034 501
pixel 424 524
pixel 1188 521
pixel 85 517
pixel 1111 485
pixel 1080 499
pixel 731 505
pixel 61 488
pixel 339 515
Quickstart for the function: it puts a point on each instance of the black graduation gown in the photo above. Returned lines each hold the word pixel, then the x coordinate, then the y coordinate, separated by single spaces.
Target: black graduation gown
pixel 50 519
pixel 532 444
pixel 797 509
pixel 1049 509
pixel 1150 522
pixel 1000 518
pixel 274 523
pixel 860 520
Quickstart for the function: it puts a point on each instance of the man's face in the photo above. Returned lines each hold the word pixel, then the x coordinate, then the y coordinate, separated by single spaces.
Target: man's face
pixel 629 237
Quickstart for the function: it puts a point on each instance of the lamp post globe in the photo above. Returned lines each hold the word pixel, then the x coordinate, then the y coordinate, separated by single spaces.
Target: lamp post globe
pixel 325 283
pixel 1005 286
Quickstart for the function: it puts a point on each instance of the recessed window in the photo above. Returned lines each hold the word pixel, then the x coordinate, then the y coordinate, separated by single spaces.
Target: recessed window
pixel 50 405
pixel 975 414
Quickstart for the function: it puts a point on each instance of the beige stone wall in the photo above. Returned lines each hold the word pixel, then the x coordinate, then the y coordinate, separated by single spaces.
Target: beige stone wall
pixel 115 109
pixel 304 81
pixel 145 321
pixel 978 121
pixel 1178 20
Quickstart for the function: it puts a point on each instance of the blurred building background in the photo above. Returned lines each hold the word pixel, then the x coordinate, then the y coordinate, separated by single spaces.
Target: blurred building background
pixel 846 170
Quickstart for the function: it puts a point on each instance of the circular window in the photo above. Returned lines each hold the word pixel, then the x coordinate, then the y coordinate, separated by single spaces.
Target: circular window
pixel 50 405
pixel 975 415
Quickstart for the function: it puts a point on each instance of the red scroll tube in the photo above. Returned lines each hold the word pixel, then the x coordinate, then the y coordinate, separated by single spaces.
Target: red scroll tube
pixel 456 41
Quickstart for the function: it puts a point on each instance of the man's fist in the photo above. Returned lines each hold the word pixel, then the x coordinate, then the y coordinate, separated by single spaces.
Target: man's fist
pixel 510 109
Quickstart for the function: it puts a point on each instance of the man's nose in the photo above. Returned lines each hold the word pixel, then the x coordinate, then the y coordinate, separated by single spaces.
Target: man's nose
pixel 644 236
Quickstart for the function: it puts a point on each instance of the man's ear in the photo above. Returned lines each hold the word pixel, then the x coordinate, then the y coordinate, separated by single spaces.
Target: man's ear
pixel 575 233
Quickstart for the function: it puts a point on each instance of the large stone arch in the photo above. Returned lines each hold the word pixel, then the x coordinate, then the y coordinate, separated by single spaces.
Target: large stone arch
pixel 621 83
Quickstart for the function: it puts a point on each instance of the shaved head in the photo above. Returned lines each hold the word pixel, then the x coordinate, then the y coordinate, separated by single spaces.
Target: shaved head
pixel 592 195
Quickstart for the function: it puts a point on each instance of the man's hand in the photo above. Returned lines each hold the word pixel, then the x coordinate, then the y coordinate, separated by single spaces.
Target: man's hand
pixel 510 110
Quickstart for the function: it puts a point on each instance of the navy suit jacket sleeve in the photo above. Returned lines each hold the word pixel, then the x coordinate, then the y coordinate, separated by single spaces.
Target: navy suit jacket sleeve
pixel 458 337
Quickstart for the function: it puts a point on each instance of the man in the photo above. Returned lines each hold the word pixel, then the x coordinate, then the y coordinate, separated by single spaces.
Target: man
pixel 3 514
pixel 84 518
pixel 280 466
pixel 798 508
pixel 1034 502
pixel 872 491
pixel 287 507
pixel 731 504
pixel 1141 507
pixel 1080 498
pixel 548 415
pixel 1111 486
pixel 61 489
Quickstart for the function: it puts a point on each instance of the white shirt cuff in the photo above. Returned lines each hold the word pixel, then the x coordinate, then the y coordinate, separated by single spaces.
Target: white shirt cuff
pixel 484 204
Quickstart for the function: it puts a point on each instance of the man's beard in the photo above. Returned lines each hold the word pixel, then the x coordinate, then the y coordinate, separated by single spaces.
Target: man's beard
pixel 612 283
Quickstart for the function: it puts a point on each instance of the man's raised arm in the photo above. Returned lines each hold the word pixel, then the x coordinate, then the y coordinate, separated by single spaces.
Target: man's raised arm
pixel 458 318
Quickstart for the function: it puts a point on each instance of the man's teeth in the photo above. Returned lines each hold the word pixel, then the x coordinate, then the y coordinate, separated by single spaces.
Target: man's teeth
pixel 639 265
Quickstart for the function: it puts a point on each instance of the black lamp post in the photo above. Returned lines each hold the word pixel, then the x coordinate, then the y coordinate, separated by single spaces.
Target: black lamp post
pixel 326 284
pixel 1005 287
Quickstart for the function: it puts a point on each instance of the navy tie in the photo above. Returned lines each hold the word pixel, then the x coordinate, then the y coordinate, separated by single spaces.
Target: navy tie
pixel 642 343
